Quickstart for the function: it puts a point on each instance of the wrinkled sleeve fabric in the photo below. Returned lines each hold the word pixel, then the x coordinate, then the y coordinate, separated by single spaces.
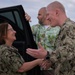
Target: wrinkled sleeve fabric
pixel 65 45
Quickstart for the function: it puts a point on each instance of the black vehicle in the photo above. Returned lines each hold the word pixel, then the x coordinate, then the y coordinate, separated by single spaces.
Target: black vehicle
pixel 15 15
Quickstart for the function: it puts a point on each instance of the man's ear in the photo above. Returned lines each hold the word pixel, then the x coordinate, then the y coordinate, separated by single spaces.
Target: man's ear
pixel 57 12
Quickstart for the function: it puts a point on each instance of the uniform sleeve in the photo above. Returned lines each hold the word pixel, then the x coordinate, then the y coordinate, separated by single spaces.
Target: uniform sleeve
pixel 12 60
pixel 65 46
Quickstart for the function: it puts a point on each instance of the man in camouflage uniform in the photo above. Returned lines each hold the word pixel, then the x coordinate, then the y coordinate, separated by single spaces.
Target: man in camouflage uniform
pixel 63 58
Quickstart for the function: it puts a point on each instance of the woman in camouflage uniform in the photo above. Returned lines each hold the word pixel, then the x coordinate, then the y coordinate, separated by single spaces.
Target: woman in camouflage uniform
pixel 11 62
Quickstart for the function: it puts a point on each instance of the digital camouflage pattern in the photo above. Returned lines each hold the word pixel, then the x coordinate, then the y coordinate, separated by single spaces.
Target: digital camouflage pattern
pixel 10 61
pixel 46 36
pixel 64 55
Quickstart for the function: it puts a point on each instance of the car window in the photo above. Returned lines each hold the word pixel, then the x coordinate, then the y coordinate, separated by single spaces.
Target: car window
pixel 14 17
pixel 18 20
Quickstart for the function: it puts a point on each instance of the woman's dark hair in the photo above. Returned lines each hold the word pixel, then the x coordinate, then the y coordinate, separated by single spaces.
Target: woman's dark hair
pixel 3 32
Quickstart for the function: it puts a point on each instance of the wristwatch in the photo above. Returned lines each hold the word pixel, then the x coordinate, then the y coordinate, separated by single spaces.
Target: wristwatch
pixel 47 56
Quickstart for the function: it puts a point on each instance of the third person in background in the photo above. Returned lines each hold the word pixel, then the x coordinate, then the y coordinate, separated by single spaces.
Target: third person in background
pixel 45 34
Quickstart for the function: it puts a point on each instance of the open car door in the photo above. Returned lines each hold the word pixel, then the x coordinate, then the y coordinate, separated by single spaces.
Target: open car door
pixel 15 15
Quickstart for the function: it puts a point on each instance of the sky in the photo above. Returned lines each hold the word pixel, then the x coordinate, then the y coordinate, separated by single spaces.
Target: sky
pixel 32 7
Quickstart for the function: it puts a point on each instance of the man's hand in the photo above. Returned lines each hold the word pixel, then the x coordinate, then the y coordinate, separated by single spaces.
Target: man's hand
pixel 37 53
pixel 46 64
pixel 28 18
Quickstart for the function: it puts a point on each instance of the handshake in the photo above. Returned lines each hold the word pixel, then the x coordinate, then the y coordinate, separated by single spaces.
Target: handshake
pixel 42 54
